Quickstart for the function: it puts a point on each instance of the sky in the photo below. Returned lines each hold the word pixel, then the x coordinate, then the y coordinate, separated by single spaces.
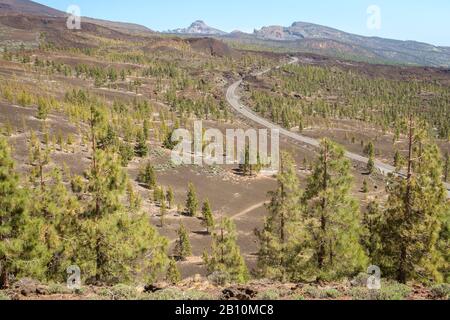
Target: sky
pixel 426 21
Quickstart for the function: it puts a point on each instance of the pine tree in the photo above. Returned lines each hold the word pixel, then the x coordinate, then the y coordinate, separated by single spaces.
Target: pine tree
pixel 191 202
pixel 276 238
pixel 370 152
pixel 173 274
pixel 170 198
pixel 141 149
pixel 163 213
pixel 114 243
pixel 56 213
pixel 106 182
pixel 148 176
pixel 158 195
pixel 13 217
pixel 183 247
pixel 365 188
pixel 39 158
pixel 43 109
pixel 134 199
pixel 146 129
pixel 333 217
pixel 412 221
pixel 225 253
pixel 371 223
pixel 208 220
pixel 398 161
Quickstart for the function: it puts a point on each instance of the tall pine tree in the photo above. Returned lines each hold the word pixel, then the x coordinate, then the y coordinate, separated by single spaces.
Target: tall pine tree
pixel 332 219
pixel 412 222
pixel 13 217
pixel 276 238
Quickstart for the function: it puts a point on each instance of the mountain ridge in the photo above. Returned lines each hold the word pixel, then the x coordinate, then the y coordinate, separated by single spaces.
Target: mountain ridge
pixel 301 37
pixel 198 27
pixel 28 7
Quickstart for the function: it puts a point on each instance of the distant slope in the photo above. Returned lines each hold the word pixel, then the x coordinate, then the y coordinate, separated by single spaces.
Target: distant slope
pixel 308 37
pixel 26 7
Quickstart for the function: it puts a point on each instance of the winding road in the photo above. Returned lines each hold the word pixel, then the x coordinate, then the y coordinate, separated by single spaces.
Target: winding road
pixel 234 100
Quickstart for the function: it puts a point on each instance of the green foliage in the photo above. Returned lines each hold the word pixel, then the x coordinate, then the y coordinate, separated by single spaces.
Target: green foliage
pixel 336 93
pixel 141 148
pixel 208 220
pixel 112 241
pixel 4 296
pixel 15 221
pixel 183 247
pixel 158 195
pixel 147 176
pixel 170 198
pixel 133 198
pixel 321 293
pixel 389 291
pixel 398 161
pixel 413 220
pixel 278 236
pixel 56 212
pixel 225 254
pixel 332 247
pixel 191 201
pixel 173 275
pixel 441 291
pixel 163 212
pixel 173 294
pixel 247 168
pixel 43 108
pixel 269 295
pixel 365 188
pixel 370 225
pixel 120 292
pixel 126 153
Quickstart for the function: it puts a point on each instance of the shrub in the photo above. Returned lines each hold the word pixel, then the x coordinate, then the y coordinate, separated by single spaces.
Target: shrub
pixel 389 291
pixel 394 291
pixel 56 288
pixel 317 293
pixel 219 278
pixel 176 294
pixel 360 293
pixel 271 294
pixel 4 296
pixel 120 292
pixel 441 291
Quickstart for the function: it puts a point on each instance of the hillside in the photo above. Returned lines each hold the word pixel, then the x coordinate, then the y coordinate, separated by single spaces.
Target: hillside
pixel 313 38
pixel 316 38
pixel 94 203
pixel 26 7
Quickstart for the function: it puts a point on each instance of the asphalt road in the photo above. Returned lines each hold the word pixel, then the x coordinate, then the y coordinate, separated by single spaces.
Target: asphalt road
pixel 234 100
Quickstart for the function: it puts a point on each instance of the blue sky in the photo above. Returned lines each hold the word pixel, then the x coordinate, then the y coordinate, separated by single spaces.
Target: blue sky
pixel 427 21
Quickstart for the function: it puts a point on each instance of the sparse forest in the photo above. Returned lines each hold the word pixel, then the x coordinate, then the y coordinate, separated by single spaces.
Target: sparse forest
pixel 87 177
